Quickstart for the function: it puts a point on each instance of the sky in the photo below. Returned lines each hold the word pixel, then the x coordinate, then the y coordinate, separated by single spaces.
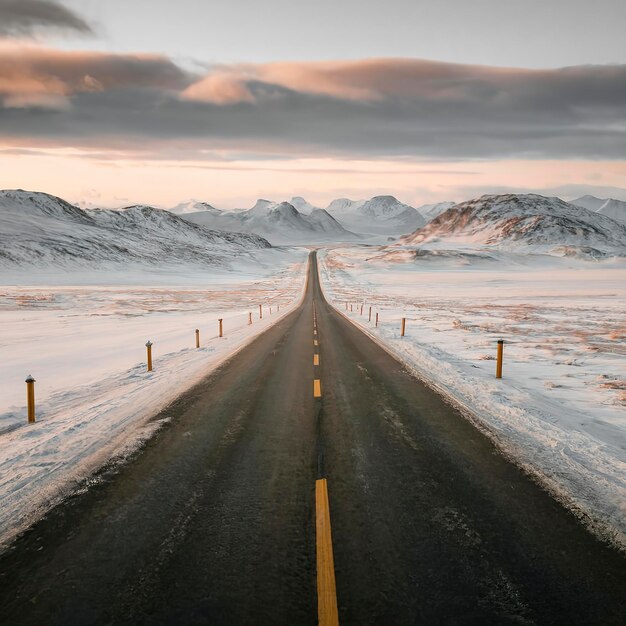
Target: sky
pixel 113 103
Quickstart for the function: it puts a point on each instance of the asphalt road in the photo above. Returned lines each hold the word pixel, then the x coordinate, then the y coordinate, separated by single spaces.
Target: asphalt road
pixel 213 521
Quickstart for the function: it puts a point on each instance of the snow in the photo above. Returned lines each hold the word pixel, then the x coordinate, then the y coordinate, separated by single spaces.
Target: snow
pixel 559 411
pixel 85 346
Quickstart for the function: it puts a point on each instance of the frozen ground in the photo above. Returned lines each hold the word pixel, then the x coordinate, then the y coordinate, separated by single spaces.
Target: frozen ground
pixel 85 346
pixel 560 409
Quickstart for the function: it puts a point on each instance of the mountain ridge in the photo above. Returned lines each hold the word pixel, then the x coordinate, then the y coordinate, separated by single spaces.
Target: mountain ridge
pixel 39 229
pixel 278 222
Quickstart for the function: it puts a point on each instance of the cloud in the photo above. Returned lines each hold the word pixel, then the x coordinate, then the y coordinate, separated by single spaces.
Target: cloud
pixel 219 88
pixel 377 107
pixel 37 77
pixel 24 17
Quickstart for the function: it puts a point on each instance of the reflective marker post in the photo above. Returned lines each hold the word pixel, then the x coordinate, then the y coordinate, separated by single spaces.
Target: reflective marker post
pixel 30 398
pixel 499 360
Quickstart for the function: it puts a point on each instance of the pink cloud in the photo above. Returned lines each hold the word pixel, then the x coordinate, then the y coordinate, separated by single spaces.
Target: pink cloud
pixel 38 76
pixel 368 79
pixel 219 88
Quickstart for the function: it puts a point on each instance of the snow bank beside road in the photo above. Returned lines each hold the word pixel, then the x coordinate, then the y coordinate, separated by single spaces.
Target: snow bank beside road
pixel 85 347
pixel 559 411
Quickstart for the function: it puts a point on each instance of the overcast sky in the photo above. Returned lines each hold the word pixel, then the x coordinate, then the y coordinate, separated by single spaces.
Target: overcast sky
pixel 153 101
pixel 519 33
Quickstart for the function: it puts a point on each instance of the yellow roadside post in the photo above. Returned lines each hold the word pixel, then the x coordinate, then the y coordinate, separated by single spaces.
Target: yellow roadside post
pixel 403 326
pixel 350 308
pixel 249 318
pixel 499 361
pixel 149 353
pixel 376 319
pixel 369 319
pixel 197 338
pixel 221 327
pixel 260 311
pixel 30 398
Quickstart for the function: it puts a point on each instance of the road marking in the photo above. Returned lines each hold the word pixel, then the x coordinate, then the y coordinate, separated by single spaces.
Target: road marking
pixel 327 614
pixel 314 342
pixel 316 359
pixel 315 332
pixel 317 388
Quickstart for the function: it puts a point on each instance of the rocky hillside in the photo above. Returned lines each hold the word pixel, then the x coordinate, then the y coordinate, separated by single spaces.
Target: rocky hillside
pixel 522 222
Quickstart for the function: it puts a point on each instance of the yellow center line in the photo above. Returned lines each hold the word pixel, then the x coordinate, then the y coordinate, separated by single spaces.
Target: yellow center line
pixel 317 388
pixel 327 614
pixel 316 359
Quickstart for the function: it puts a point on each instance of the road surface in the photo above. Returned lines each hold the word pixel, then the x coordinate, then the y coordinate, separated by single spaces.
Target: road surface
pixel 214 520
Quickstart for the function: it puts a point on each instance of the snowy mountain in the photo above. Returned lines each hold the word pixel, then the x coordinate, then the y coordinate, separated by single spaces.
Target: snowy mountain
pixel 610 207
pixel 302 205
pixel 280 223
pixel 430 211
pixel 381 215
pixel 191 206
pixel 523 222
pixel 40 230
pixel 589 202
pixel 343 205
pixel 615 209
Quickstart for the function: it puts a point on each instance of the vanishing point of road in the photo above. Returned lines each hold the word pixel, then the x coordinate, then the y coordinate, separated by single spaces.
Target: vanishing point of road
pixel 308 478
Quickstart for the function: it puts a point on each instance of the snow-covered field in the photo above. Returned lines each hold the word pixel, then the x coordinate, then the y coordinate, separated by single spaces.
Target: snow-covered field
pixel 85 346
pixel 560 409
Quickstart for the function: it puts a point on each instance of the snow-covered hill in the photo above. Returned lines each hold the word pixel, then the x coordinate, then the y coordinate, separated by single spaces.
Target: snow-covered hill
pixel 191 206
pixel 430 211
pixel 341 205
pixel 41 230
pixel 589 202
pixel 280 223
pixel 523 222
pixel 381 215
pixel 302 205
pixel 615 209
pixel 610 207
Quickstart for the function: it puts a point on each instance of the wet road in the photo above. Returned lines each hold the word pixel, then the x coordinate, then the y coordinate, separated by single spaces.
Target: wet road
pixel 214 521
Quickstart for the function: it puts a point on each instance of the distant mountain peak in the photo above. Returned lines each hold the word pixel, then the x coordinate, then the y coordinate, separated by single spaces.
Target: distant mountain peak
pixel 615 209
pixel 192 206
pixel 279 222
pixel 303 205
pixel 589 202
pixel 380 215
